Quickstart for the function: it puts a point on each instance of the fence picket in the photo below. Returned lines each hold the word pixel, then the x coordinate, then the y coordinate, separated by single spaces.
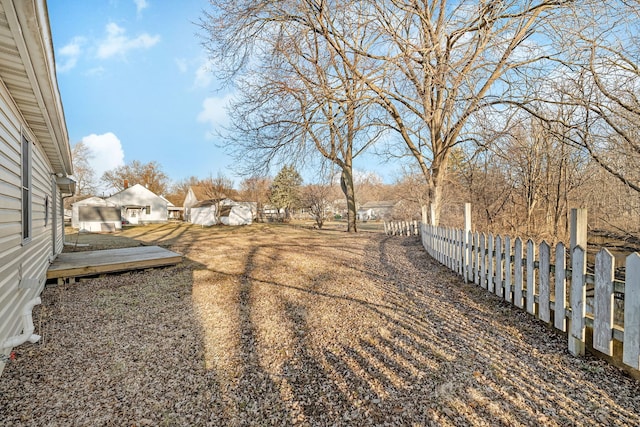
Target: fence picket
pixel 451 249
pixel 578 297
pixel 517 273
pixel 483 261
pixel 560 304
pixel 631 347
pixel 603 302
pixel 507 269
pixel 498 281
pixel 531 277
pixel 460 254
pixel 476 258
pixel 490 271
pixel 544 276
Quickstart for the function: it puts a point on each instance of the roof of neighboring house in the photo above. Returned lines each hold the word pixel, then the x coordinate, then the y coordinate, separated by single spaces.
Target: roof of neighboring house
pixel 138 188
pixel 93 201
pixel 200 192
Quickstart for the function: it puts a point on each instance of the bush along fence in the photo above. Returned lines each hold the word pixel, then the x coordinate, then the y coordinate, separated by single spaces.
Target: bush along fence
pixel 540 280
pixel 402 228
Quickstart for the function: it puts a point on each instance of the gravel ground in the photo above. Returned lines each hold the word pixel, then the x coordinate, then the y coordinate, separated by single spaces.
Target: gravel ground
pixel 269 325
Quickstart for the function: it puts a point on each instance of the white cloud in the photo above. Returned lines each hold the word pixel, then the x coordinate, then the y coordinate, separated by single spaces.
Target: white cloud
pixel 141 5
pixel 214 112
pixel 106 150
pixel 118 44
pixel 204 76
pixel 69 54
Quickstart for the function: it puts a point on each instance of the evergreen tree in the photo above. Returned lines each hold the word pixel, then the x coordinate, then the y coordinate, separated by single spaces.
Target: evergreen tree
pixel 285 190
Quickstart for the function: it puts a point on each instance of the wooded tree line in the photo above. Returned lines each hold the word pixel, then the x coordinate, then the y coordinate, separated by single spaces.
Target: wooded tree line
pixel 525 108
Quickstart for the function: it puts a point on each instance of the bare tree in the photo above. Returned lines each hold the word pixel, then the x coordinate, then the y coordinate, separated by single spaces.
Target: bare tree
pixel 256 189
pixel 82 171
pixel 599 82
pixel 149 175
pixel 301 100
pixel 315 198
pixel 442 62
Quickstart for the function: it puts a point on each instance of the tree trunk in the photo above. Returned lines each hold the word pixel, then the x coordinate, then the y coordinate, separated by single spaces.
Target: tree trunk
pixel 436 186
pixel 346 183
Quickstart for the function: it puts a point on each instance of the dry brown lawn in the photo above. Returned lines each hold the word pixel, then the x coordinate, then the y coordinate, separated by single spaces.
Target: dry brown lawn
pixel 274 325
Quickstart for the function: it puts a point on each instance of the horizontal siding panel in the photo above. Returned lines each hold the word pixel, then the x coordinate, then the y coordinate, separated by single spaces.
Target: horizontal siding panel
pixel 11 192
pixel 10 202
pixel 10 235
pixel 10 153
pixel 10 177
pixel 8 215
pixel 9 258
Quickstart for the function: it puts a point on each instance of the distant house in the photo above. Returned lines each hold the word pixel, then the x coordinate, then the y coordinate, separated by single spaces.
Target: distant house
pixel 376 210
pixel 96 214
pixel 175 212
pixel 195 195
pixel 139 205
pixel 36 167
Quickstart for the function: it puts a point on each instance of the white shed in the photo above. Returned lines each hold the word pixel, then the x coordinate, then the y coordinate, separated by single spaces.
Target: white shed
pixel 36 167
pixel 96 215
pixel 237 214
pixel 204 213
pixel 231 213
pixel 139 205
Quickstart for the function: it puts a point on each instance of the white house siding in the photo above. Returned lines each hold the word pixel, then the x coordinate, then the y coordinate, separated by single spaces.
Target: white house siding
pixel 30 106
pixel 20 261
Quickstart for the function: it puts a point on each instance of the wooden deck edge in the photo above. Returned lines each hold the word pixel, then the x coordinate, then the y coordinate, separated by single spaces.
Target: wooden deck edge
pixel 114 268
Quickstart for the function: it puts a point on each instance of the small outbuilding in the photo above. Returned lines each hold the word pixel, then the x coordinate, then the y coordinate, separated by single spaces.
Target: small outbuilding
pixel 205 213
pixel 237 214
pixel 95 215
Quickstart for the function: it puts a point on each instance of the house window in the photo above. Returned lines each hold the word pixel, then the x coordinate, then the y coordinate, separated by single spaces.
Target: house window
pixel 26 190
pixel 148 209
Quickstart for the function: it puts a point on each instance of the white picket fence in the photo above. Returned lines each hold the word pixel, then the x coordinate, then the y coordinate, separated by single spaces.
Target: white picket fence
pixel 402 228
pixel 536 277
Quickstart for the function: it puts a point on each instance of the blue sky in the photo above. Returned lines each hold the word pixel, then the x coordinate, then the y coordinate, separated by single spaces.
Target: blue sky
pixel 136 85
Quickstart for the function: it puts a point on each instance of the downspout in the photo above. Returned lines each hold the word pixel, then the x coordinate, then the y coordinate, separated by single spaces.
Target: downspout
pixel 27 327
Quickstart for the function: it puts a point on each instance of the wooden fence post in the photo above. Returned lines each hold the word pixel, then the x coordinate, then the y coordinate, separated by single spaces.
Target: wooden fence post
pixel 578 228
